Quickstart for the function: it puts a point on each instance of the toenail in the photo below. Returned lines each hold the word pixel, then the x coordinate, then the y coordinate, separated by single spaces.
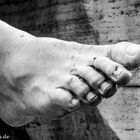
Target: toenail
pixel 95 101
pixel 75 102
pixel 105 86
pixel 90 96
pixel 108 89
pixel 131 50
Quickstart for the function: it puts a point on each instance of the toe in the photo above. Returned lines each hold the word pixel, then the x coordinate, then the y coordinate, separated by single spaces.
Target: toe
pixel 64 99
pixel 77 86
pixel 125 53
pixel 92 77
pixel 113 70
pixel 98 82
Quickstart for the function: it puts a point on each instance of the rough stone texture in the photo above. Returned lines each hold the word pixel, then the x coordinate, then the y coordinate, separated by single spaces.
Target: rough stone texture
pixel 90 22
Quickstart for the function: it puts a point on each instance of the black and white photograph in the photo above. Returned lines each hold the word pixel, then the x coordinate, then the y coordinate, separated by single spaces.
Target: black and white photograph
pixel 69 69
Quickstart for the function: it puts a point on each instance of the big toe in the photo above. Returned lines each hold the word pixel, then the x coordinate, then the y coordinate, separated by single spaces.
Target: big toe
pixel 125 53
pixel 113 70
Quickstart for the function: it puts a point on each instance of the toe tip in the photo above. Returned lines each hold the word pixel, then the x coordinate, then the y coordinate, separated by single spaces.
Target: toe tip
pixel 110 91
pixel 124 78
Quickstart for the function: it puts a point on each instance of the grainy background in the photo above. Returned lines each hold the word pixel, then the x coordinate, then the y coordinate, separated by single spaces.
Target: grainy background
pixel 90 22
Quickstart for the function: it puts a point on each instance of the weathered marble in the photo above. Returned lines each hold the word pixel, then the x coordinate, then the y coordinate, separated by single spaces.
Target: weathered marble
pixel 90 22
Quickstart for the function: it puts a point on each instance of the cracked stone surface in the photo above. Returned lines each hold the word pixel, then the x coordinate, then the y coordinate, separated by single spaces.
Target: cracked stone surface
pixel 90 22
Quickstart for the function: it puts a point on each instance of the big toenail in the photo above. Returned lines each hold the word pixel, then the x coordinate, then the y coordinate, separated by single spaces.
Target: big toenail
pixel 132 50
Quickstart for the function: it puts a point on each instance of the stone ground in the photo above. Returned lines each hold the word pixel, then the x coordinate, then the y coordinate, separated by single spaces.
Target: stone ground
pixel 90 22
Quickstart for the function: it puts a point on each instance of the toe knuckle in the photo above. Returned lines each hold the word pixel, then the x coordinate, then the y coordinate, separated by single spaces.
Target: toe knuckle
pixel 74 71
pixel 70 80
pixel 84 90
